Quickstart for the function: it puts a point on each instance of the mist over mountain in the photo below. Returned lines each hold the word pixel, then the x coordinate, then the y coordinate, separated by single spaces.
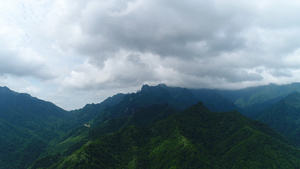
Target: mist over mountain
pixel 254 100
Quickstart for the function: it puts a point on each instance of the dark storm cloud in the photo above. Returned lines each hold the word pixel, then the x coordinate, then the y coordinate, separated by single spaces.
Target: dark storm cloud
pixel 166 28
pixel 242 75
pixel 169 29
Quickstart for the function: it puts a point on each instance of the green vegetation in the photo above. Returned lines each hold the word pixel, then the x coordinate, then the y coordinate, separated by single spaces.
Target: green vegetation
pixel 196 138
pixel 28 125
pixel 157 127
pixel 284 117
pixel 254 100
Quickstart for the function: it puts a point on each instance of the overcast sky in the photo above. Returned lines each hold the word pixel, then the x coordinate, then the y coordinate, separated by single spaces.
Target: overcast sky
pixel 77 52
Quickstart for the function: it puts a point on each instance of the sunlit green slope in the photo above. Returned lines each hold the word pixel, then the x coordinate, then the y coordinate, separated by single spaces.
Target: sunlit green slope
pixel 196 138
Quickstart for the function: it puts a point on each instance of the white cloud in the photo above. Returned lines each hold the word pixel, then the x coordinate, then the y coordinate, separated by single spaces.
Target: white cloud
pixel 292 59
pixel 77 52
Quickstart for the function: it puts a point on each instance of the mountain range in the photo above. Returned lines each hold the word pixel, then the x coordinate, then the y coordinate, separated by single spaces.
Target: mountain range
pixel 156 127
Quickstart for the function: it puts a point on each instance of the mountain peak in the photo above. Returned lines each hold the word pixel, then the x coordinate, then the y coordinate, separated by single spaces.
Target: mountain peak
pixel 158 88
pixel 162 85
pixel 199 107
pixel 18 108
pixel 146 87
pixel 5 89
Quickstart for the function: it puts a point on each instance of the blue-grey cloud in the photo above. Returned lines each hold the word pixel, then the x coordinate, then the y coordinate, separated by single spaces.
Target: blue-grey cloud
pixel 80 48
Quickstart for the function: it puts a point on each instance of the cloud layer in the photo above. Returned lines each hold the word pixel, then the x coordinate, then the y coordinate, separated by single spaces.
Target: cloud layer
pixel 77 52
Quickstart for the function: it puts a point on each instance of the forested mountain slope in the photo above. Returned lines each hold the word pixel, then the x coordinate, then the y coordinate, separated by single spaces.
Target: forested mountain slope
pixel 118 110
pixel 28 125
pixel 151 127
pixel 284 117
pixel 196 138
pixel 254 100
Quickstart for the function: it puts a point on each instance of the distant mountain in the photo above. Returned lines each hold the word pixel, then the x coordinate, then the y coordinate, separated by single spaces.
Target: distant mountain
pixel 90 111
pixel 284 117
pixel 27 126
pixel 254 100
pixel 214 100
pixel 23 110
pixel 153 128
pixel 178 98
pixel 122 106
pixel 143 108
pixel 182 98
pixel 150 104
pixel 196 138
